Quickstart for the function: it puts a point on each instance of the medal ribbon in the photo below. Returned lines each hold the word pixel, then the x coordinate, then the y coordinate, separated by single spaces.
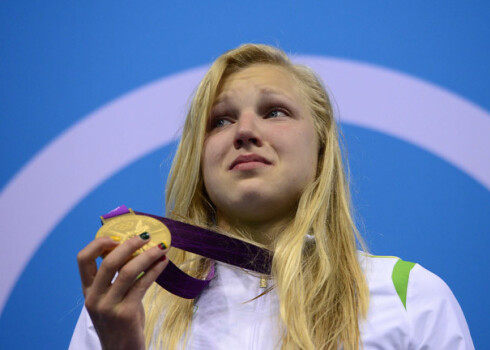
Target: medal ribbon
pixel 206 243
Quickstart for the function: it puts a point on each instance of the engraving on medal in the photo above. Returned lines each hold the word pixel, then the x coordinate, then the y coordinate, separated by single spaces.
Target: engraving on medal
pixel 129 225
pixel 124 226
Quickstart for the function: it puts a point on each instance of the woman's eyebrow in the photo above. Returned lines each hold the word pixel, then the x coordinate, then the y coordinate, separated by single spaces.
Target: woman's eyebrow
pixel 264 93
pixel 268 92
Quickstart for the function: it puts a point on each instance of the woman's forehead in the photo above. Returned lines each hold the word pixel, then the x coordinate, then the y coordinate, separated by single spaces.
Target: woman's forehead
pixel 267 79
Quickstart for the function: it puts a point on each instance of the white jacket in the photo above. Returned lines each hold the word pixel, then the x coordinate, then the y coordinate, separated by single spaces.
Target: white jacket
pixel 410 308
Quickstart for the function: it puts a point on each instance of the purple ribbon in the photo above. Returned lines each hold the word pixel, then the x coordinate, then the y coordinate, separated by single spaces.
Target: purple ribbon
pixel 206 243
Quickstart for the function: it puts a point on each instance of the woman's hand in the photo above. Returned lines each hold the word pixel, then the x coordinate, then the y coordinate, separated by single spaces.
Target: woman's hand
pixel 115 307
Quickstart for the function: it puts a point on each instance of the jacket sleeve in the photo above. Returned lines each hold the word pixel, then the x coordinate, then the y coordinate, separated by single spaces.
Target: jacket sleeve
pixel 85 337
pixel 435 317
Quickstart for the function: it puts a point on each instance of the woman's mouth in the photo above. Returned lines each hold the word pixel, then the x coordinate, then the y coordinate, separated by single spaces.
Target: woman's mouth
pixel 249 162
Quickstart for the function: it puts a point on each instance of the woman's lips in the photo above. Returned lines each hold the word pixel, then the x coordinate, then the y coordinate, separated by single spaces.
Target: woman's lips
pixel 248 162
pixel 248 166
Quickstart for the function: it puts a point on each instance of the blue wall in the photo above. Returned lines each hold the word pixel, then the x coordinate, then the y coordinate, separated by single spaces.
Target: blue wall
pixel 61 61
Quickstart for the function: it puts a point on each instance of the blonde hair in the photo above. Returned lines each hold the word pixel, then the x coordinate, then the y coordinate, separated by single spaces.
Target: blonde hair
pixel 321 286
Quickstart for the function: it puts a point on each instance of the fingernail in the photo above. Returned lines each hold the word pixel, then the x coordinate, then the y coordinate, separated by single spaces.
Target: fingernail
pixel 116 238
pixel 140 275
pixel 145 235
pixel 163 258
pixel 162 246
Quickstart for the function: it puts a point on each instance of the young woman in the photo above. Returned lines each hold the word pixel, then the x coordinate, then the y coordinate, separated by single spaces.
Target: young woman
pixel 259 159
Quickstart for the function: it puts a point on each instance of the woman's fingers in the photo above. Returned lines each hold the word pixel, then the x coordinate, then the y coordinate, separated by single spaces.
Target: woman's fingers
pixel 115 261
pixel 105 294
pixel 150 275
pixel 145 266
pixel 87 265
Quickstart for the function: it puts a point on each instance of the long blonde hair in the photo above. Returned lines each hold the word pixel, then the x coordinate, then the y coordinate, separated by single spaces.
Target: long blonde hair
pixel 321 287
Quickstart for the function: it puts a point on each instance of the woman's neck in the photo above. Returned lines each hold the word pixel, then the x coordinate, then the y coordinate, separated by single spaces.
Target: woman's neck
pixel 261 232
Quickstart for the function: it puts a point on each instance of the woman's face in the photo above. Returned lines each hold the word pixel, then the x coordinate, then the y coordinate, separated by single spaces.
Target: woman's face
pixel 261 147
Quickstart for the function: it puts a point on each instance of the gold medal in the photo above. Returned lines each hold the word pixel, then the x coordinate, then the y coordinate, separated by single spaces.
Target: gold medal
pixel 123 227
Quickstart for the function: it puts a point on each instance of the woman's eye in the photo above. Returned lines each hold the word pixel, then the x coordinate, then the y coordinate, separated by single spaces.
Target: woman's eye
pixel 274 113
pixel 220 122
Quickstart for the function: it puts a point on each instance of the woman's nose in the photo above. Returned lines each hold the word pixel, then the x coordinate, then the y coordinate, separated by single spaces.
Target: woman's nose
pixel 247 131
